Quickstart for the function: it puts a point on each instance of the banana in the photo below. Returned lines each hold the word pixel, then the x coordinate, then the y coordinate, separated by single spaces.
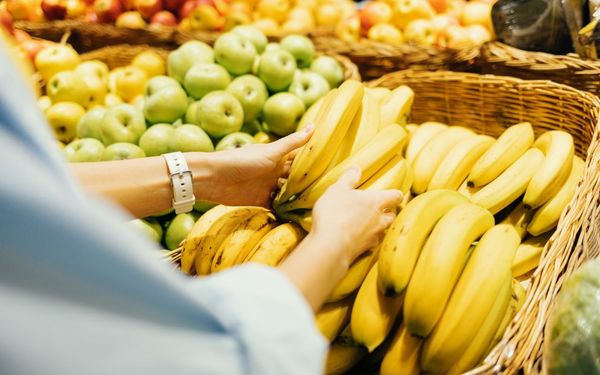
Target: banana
pixel 558 148
pixel 402 356
pixel 334 119
pixel 519 218
pixel 480 344
pixel 276 245
pixel 420 137
pixel 511 183
pixel 311 113
pixel 197 234
pixel 505 151
pixel 547 216
pixel 373 314
pixel 432 154
pixel 411 128
pixel 343 354
pixel 529 254
pixel 484 278
pixel 333 317
pixel 404 239
pixel 468 191
pixel 220 229
pixel 369 159
pixel 440 265
pixel 517 299
pixel 355 276
pixel 396 107
pixel 236 247
pixel 380 93
pixel 391 176
pixel 457 164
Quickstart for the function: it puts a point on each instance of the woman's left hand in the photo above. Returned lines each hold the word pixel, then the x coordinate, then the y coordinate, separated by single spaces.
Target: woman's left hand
pixel 248 175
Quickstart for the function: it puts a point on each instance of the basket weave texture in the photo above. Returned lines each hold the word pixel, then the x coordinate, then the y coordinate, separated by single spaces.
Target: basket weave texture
pixel 571 70
pixel 489 104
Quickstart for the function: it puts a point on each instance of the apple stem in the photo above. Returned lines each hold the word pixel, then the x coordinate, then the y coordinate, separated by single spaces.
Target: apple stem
pixel 65 37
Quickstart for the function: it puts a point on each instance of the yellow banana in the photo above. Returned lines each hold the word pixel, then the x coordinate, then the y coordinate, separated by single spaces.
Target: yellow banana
pixel 468 191
pixel 432 154
pixel 334 119
pixel 391 176
pixel 519 218
pixel 546 217
pixel 529 254
pixel 396 107
pixel 355 276
pixel 440 265
pixel 343 354
pixel 421 136
pixel 558 148
pixel 373 314
pixel 380 93
pixel 236 247
pixel 311 113
pixel 333 317
pixel 485 276
pixel 511 183
pixel 411 128
pixel 276 245
pixel 504 152
pixel 219 230
pixel 457 164
pixel 402 356
pixel 369 159
pixel 404 239
pixel 479 345
pixel 517 299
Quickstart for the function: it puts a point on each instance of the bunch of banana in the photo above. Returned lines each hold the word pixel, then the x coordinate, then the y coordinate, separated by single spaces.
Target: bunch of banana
pixel 333 317
pixel 403 355
pixel 276 245
pixel 343 354
pixel 355 276
pixel 529 254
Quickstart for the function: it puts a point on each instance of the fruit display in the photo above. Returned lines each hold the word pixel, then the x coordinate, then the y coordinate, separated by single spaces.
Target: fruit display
pixel 29 47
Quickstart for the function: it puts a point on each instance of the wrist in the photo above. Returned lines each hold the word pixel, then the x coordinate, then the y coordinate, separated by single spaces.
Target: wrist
pixel 330 245
pixel 203 175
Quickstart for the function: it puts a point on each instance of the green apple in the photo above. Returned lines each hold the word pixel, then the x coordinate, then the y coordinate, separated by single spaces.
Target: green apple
pixel 329 68
pixel 220 113
pixel 155 140
pixel 89 124
pixel 203 206
pixel 253 35
pixel 122 151
pixel 166 104
pixel 149 228
pixel 300 47
pixel 94 68
pixel 68 86
pixel 122 123
pixel 187 55
pixel 252 127
pixel 282 112
pixel 191 115
pixel 235 53
pixel 272 47
pixel 251 92
pixel 84 150
pixel 190 138
pixel 158 82
pixel 204 78
pixel 139 103
pixel 56 58
pixel 276 69
pixel 234 140
pixel 178 229
pixel 309 86
pixel 63 117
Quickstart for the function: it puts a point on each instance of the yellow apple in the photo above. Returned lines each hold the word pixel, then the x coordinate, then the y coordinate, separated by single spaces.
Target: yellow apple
pixel 131 20
pixel 327 15
pixel 275 9
pixel 54 59
pixel 374 13
pixel 130 82
pixel 385 33
pixel 348 29
pixel 420 32
pixel 406 11
pixel 206 17
pixel 94 68
pixel 98 89
pixel 478 34
pixel 44 103
pixel 150 62
pixel 76 8
pixel 302 14
pixel 267 25
pixel 308 4
pixel 476 12
pixel 441 22
pixel 455 37
pixel 63 118
pixel 236 19
pixel 112 79
pixel 295 27
pixel 111 100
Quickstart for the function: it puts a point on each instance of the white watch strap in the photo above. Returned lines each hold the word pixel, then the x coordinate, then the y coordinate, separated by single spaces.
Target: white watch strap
pixel 181 179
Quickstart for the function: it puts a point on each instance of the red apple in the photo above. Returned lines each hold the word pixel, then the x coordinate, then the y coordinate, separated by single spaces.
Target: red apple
pixel 91 17
pixel 19 9
pixel 173 5
pixel 76 8
pixel 88 2
pixel 131 20
pixel 439 6
pixel 165 18
pixel 107 10
pixel 21 36
pixel 6 21
pixel 206 17
pixel 127 5
pixel 374 13
pixel 54 9
pixel 148 8
pixel 187 7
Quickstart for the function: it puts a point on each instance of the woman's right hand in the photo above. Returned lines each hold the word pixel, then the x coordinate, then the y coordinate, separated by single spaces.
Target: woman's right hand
pixel 353 219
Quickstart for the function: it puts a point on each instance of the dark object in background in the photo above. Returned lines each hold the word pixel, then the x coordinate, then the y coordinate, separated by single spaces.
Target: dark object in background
pixel 533 25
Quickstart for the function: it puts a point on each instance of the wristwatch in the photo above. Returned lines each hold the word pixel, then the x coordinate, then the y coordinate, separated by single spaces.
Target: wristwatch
pixel 181 180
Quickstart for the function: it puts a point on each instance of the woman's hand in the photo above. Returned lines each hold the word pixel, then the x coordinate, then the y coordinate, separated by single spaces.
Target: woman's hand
pixel 248 175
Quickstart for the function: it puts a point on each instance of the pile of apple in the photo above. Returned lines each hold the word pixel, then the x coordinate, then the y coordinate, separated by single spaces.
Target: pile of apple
pixel 442 23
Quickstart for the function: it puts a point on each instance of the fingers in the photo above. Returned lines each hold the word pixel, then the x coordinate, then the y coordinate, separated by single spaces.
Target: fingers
pixel 350 178
pixel 388 199
pixel 293 141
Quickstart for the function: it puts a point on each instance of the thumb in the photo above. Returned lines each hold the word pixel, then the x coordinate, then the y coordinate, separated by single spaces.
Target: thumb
pixel 292 142
pixel 350 178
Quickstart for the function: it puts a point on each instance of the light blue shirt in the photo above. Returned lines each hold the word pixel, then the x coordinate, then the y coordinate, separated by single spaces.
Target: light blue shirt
pixel 81 294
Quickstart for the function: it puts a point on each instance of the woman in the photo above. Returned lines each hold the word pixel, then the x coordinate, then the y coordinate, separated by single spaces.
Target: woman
pixel 82 295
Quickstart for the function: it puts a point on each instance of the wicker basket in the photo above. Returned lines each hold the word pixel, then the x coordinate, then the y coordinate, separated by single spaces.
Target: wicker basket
pixel 571 70
pixel 121 55
pixel 375 59
pixel 489 104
